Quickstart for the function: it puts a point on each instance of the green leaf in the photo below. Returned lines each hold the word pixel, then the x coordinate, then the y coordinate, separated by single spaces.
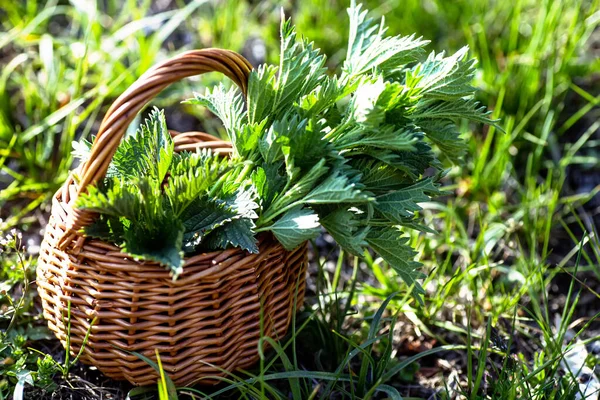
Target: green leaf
pixel 344 227
pixel 393 248
pixel 148 153
pixel 412 224
pixel 301 141
pixel 162 245
pixel 322 97
pixel 446 78
pixel 385 137
pixel 402 203
pixel 193 175
pixel 301 68
pixel 369 49
pixel 268 183
pixel 272 90
pixel 352 149
pixel 290 126
pixel 117 199
pixel 377 103
pixel 261 92
pixel 260 182
pixel 106 228
pixel 378 177
pixel 445 135
pixel 413 163
pixel 201 217
pixel 205 215
pixel 455 109
pixel 296 227
pixel 237 233
pixel 336 189
pixel 364 106
pixel 270 147
pixel 301 188
pixel 228 105
pixel 247 140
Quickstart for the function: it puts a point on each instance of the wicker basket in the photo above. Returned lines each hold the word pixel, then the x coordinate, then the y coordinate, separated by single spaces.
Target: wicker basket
pixel 210 317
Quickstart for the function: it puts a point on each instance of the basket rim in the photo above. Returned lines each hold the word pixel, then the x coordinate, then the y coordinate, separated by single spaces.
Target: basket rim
pixel 88 245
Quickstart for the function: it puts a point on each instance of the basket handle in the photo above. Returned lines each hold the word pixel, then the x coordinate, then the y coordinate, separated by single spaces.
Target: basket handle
pixel 125 108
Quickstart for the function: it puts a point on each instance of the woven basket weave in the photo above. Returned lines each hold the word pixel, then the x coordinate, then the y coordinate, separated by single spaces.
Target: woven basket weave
pixel 210 317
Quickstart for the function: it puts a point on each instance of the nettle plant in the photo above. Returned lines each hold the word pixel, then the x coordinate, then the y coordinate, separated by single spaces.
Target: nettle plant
pixel 350 153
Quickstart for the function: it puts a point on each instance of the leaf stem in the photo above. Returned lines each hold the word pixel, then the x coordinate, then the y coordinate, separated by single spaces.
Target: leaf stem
pixel 245 171
pixel 271 215
pixel 334 133
pixel 248 165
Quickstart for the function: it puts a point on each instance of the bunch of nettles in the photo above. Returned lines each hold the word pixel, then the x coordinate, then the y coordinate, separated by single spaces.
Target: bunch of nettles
pixel 347 152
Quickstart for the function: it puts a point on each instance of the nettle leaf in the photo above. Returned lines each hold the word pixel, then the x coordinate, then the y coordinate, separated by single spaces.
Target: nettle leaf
pixel 378 177
pixel 343 225
pixel 261 93
pixel 385 137
pixel 364 106
pixel 201 217
pixel 147 153
pixel 414 163
pixel 377 102
pixel 246 142
pixel 275 89
pixel 336 188
pixel 304 143
pixel 414 225
pixel 396 96
pixel 268 183
pixel 403 203
pixel 322 97
pixel 205 215
pixel 289 126
pixel 227 104
pixel 454 110
pixel 237 233
pixel 394 249
pixel 446 78
pixel 302 187
pixel 116 198
pixel 296 227
pixel 134 217
pixel 348 152
pixel 243 203
pixel 445 135
pixel 162 245
pixel 270 145
pixel 192 176
pixel 301 68
pixel 106 228
pixel 368 48
pixel 260 182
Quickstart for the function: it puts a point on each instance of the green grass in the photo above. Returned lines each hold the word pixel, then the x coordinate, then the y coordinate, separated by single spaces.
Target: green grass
pixel 516 248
